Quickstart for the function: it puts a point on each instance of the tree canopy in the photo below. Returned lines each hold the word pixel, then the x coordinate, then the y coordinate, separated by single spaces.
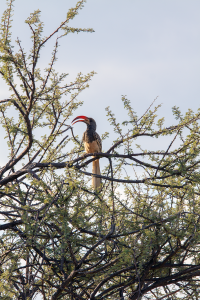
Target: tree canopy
pixel 136 238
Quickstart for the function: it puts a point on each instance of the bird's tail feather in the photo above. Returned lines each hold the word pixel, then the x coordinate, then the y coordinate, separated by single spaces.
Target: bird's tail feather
pixel 96 182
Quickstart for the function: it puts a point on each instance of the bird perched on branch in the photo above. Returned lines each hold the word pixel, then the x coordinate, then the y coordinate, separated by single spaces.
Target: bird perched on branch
pixel 92 143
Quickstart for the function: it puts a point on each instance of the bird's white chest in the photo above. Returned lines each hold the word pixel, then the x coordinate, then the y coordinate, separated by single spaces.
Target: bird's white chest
pixel 91 147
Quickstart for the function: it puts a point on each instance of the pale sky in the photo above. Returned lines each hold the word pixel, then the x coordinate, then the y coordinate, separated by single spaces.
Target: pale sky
pixel 140 48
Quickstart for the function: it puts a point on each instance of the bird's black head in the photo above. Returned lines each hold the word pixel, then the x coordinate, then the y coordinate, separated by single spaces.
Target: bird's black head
pixel 91 124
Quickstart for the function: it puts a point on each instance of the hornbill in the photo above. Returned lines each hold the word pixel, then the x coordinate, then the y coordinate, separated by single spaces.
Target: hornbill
pixel 92 143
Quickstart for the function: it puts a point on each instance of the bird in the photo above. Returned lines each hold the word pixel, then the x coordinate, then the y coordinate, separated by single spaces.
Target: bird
pixel 92 143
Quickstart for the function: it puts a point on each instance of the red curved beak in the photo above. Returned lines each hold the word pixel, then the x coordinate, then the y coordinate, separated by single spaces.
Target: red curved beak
pixel 79 117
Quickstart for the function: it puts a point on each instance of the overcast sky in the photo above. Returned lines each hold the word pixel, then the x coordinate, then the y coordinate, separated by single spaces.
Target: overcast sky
pixel 140 48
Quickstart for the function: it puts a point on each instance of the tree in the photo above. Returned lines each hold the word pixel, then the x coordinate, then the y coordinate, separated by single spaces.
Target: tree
pixel 138 237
